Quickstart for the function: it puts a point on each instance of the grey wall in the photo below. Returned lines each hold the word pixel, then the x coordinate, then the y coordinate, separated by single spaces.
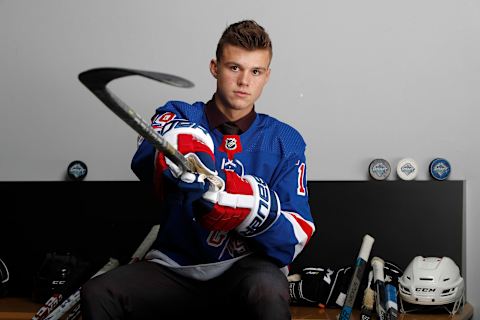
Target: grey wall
pixel 359 79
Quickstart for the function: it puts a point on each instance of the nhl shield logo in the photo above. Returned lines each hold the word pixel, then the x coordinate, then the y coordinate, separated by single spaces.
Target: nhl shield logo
pixel 231 143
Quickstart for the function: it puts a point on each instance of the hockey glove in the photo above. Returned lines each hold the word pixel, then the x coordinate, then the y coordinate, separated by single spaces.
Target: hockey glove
pixel 246 205
pixel 197 153
pixel 312 287
pixel 197 147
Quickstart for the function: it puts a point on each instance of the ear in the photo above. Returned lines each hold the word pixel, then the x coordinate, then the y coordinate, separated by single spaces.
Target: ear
pixel 213 68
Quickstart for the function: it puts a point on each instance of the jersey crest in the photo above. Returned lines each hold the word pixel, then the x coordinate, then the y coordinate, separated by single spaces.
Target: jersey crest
pixel 230 145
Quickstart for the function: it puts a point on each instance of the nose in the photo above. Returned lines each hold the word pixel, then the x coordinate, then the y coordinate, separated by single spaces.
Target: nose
pixel 243 78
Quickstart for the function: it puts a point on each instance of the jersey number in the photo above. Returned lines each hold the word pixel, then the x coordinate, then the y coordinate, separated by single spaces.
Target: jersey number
pixel 301 190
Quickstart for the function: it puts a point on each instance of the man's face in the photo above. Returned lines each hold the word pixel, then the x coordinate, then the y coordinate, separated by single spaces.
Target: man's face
pixel 241 75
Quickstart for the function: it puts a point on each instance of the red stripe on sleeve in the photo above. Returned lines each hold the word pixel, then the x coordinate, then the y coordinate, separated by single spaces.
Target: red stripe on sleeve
pixel 306 226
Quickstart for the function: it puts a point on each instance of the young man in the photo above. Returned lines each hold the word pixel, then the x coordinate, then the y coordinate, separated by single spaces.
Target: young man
pixel 228 231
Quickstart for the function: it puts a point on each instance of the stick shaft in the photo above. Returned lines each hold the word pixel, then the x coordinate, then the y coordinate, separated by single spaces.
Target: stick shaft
pixel 359 269
pixel 137 123
pixel 96 81
pixel 379 284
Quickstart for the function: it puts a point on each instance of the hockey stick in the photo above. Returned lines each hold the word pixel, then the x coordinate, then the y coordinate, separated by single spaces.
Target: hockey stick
pixel 72 301
pixel 368 300
pixel 359 269
pixel 54 301
pixel 379 284
pixel 391 303
pixel 96 81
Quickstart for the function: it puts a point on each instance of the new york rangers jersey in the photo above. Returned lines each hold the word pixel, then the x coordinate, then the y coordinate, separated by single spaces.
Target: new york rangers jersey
pixel 270 150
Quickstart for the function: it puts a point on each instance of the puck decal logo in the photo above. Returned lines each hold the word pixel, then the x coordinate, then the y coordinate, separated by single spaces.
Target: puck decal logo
pixel 77 170
pixel 407 169
pixel 439 169
pixel 379 169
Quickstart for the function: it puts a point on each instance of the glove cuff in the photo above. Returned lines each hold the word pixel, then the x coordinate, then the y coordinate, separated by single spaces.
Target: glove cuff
pixel 264 211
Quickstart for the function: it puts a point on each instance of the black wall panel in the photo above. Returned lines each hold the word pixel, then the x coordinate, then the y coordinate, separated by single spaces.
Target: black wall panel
pixel 406 218
pixel 102 218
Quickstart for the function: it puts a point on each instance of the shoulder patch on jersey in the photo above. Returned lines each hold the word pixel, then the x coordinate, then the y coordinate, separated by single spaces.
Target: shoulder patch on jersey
pixel 161 119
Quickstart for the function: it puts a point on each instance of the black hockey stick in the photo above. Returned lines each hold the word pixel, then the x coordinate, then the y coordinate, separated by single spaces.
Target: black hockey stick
pixel 74 299
pixel 359 269
pixel 96 81
pixel 53 303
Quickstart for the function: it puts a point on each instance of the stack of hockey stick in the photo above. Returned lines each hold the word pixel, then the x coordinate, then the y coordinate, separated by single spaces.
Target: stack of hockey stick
pixel 381 292
pixel 58 307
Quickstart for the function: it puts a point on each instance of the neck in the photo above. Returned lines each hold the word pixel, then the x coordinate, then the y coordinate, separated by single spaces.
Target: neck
pixel 230 113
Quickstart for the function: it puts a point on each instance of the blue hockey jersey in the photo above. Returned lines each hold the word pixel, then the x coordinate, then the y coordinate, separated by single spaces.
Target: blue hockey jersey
pixel 269 149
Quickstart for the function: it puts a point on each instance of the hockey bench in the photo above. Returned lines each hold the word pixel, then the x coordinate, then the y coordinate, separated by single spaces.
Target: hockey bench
pixel 24 309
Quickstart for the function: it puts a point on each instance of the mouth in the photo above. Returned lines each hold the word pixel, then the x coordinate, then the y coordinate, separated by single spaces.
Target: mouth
pixel 241 93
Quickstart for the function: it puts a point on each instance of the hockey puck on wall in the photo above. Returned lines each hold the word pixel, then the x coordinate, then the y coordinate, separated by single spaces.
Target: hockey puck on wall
pixel 440 169
pixel 379 169
pixel 77 170
pixel 407 169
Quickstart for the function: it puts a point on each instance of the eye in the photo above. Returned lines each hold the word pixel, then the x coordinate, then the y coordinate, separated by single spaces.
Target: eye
pixel 256 72
pixel 234 68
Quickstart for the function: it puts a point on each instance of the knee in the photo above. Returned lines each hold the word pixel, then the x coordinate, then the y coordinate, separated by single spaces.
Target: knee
pixel 265 296
pixel 267 287
pixel 92 290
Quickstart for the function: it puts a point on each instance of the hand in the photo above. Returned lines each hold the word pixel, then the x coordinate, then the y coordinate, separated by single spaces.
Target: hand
pixel 246 205
pixel 198 153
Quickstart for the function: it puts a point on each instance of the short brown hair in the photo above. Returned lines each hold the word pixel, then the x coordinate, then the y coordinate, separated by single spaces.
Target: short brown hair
pixel 246 34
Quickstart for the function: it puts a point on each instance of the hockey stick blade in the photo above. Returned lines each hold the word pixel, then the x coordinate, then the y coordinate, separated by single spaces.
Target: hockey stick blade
pixel 138 255
pixel 96 80
pixel 358 271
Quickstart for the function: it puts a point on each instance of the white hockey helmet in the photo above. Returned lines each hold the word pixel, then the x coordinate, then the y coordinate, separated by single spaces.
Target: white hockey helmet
pixel 432 281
